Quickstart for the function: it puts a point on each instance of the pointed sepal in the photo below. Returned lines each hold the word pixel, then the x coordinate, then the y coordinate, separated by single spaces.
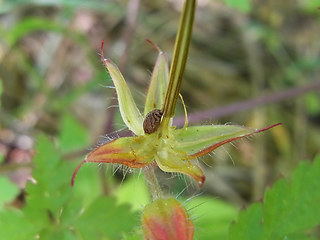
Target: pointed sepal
pixel 128 109
pixel 200 140
pixel 132 152
pixel 124 150
pixel 158 84
pixel 174 161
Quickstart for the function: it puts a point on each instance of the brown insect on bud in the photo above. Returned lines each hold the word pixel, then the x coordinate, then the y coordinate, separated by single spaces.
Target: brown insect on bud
pixel 152 121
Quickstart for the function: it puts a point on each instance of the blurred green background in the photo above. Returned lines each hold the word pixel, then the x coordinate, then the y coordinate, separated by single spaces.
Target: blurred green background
pixel 252 63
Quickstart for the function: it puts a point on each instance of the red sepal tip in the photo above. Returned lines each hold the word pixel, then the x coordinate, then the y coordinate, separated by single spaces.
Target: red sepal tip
pixel 76 171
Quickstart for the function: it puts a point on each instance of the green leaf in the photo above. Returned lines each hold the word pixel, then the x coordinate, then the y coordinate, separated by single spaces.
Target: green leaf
pixel 128 109
pixel 106 7
pixel 158 84
pixel 212 217
pixel 9 191
pixel 289 209
pixel 1 158
pixel 137 235
pixel 73 136
pixel 248 225
pixel 50 191
pixel 15 226
pixel 312 103
pixel 88 184
pixel 310 6
pixel 29 25
pixel 105 218
pixel 134 191
pixel 54 210
pixel 241 5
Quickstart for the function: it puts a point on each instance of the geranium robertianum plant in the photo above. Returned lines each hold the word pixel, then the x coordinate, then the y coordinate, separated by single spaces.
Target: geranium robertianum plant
pixel 156 142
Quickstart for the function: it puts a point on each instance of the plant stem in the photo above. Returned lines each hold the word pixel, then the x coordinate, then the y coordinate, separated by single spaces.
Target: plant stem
pixel 179 59
pixel 153 183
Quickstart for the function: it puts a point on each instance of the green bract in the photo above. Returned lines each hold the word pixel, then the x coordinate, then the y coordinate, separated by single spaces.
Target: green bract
pixel 173 150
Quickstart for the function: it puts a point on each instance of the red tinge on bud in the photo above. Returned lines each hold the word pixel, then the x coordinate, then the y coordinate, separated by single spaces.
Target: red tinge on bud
pixel 166 219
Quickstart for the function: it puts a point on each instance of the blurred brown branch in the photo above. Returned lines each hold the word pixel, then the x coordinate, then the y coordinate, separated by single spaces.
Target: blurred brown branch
pixel 248 104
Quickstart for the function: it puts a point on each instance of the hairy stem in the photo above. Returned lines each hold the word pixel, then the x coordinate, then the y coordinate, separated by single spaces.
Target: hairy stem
pixel 153 183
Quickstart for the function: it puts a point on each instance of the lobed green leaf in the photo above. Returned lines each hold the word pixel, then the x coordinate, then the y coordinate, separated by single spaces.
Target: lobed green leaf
pixel 289 208
pixel 212 217
pixel 104 217
pixel 8 191
pixel 73 135
pixel 54 210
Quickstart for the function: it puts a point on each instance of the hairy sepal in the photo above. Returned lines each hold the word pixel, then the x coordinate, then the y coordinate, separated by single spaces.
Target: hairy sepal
pixel 128 151
pixel 128 109
pixel 158 85
pixel 200 140
pixel 174 161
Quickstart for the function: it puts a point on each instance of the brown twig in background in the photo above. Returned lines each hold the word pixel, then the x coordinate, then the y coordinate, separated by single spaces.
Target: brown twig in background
pixel 248 104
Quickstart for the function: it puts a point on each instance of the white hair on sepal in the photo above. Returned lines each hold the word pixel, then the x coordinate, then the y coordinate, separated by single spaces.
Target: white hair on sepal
pixel 140 173
pixel 112 106
pixel 103 140
pixel 106 86
pixel 235 145
pixel 115 168
pixel 229 155
pixel 99 165
pixel 125 171
pixel 140 93
pixel 108 138
pixel 192 210
pixel 249 137
pixel 203 161
pixel 173 175
pixel 192 197
pixel 182 191
pixel 188 181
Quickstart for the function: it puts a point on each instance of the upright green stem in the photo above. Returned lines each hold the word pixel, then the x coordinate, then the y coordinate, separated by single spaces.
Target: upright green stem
pixel 178 64
pixel 179 59
pixel 152 182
